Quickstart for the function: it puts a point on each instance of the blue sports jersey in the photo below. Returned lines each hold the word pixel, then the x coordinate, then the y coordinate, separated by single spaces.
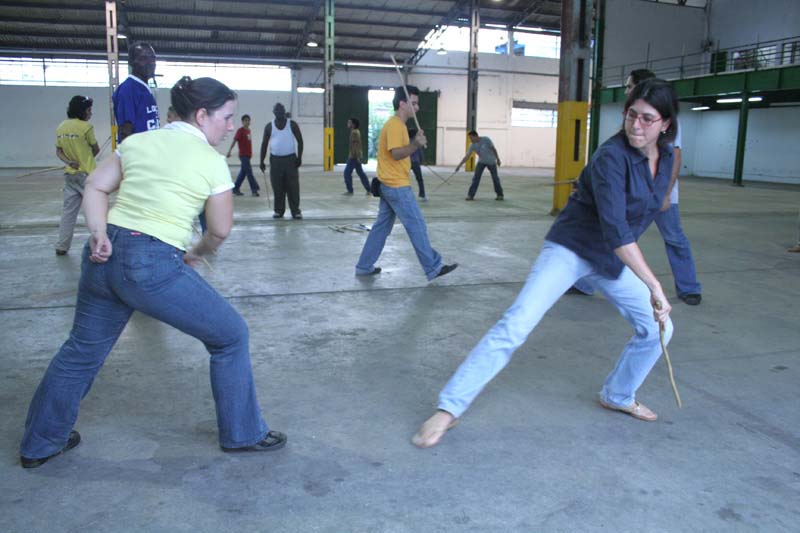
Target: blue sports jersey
pixel 134 103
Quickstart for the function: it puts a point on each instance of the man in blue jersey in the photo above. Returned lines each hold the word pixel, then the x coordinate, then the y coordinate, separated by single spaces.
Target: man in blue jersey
pixel 135 108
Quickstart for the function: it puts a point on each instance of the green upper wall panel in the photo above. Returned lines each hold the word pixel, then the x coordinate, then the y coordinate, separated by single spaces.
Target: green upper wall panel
pixel 775 79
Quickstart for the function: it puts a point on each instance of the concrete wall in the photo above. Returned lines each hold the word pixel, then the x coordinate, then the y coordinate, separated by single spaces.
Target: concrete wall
pixel 37 111
pixel 741 22
pixel 633 25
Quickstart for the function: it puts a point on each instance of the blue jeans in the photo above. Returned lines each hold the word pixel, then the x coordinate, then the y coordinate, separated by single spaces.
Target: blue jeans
pixel 246 170
pixel 679 254
pixel 476 180
pixel 399 202
pixel 354 164
pixel 553 272
pixel 146 275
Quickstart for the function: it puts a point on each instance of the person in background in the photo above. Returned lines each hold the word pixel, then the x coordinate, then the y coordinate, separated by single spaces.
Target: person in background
pixel 245 153
pixel 76 146
pixel 354 158
pixel 416 161
pixel 285 142
pixel 135 108
pixel 487 157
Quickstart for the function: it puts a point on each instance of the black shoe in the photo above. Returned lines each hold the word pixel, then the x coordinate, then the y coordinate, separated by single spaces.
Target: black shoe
pixel 237 192
pixel 469 198
pixel 376 270
pixel 499 198
pixel 276 215
pixel 255 193
pixel 74 440
pixel 298 216
pixel 61 252
pixel 446 269
pixel 691 299
pixel 275 440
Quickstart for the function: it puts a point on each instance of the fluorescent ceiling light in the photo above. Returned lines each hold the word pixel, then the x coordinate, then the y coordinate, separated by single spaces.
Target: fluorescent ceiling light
pixel 121 36
pixel 738 100
pixel 441 52
pixel 501 26
pixel 371 65
pixel 700 108
pixel 312 44
pixel 310 90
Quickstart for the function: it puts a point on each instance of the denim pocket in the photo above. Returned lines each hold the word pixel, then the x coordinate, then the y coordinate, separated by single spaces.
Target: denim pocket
pixel 146 261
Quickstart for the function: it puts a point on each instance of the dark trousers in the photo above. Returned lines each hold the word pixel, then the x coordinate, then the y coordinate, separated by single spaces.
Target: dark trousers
pixel 476 180
pixel 246 171
pixel 285 181
pixel 354 164
pixel 417 170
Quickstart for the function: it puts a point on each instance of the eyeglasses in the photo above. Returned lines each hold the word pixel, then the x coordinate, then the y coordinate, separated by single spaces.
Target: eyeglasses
pixel 645 119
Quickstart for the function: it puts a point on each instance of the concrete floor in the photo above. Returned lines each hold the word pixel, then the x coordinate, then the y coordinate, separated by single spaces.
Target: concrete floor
pixel 349 368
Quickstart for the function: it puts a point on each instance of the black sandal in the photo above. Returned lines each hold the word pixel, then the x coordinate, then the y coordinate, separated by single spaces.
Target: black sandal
pixel 274 440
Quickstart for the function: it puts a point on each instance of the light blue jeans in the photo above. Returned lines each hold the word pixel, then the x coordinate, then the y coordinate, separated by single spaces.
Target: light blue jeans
pixel 553 272
pixel 399 202
pixel 679 253
pixel 147 275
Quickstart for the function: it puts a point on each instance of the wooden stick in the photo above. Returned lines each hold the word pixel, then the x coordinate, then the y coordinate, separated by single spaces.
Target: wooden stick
pixel 669 363
pixel 405 90
pixel 40 171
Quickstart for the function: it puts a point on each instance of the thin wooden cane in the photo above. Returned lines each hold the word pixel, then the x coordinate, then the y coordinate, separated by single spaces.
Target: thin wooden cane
pixel 266 188
pixel 405 91
pixel 59 167
pixel 669 363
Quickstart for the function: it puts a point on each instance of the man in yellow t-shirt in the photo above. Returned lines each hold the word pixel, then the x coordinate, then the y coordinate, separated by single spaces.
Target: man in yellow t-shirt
pixel 397 198
pixel 76 146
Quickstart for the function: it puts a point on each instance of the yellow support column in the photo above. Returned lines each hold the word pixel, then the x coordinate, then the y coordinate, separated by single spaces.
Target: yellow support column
pixel 327 157
pixel 469 166
pixel 570 149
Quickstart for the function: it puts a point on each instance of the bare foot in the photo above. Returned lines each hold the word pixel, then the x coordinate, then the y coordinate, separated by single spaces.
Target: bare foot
pixel 434 428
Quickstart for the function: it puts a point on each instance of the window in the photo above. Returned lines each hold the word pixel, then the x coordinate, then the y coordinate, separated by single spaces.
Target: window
pixel 534 115
pixel 94 73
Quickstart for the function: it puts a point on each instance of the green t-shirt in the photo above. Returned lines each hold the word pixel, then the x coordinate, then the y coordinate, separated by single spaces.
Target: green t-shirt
pixel 76 138
pixel 167 176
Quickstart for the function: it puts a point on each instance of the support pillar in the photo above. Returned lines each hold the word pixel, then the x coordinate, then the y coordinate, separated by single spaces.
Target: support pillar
pixel 472 77
pixel 112 50
pixel 327 157
pixel 573 90
pixel 741 139
pixel 597 75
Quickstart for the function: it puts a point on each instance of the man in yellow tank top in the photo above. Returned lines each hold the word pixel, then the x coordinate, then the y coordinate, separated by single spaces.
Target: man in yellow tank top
pixel 397 198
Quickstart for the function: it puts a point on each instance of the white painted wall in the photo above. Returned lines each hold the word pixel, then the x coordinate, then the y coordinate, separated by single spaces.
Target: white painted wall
pixel 37 111
pixel 741 22
pixel 632 25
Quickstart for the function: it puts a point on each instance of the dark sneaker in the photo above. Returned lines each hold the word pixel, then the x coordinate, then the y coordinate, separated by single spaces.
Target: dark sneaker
pixel 74 440
pixel 469 198
pixel 376 270
pixel 276 215
pixel 275 440
pixel 446 269
pixel 255 193
pixel 61 252
pixel 691 299
pixel 237 192
pixel 298 216
pixel 499 198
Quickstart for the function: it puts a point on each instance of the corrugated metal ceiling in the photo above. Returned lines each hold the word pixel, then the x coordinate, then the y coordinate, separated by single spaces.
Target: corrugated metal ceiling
pixel 253 30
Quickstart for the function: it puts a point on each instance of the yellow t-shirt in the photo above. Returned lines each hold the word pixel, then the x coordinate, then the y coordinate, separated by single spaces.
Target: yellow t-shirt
pixel 394 134
pixel 167 176
pixel 76 138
